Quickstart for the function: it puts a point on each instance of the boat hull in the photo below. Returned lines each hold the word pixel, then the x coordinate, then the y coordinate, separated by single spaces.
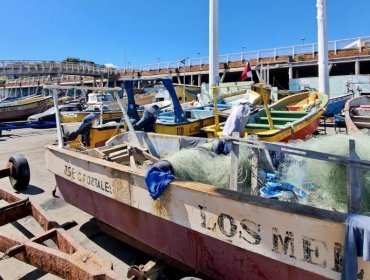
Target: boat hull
pixel 221 233
pixel 187 129
pixel 25 108
pixel 208 255
pixel 290 121
pixel 336 105
pixel 357 114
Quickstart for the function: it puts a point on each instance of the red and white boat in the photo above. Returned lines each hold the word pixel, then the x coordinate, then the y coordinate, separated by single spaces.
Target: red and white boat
pixel 221 233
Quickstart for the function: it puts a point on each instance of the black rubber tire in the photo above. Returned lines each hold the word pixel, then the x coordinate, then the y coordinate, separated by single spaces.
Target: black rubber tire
pixel 20 177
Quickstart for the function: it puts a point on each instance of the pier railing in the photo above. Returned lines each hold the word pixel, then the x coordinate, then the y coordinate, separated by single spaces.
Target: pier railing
pixel 36 67
pixel 309 48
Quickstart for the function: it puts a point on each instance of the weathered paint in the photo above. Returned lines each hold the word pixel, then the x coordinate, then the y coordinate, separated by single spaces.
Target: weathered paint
pixel 187 129
pixel 351 104
pixel 22 109
pixel 79 116
pixel 299 129
pixel 284 244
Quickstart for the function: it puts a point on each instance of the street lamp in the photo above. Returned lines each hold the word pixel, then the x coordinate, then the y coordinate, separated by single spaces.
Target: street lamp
pixel 243 47
pixel 183 88
pixel 303 39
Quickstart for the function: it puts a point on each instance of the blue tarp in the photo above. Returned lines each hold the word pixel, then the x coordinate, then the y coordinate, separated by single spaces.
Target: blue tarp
pixel 158 177
pixel 273 188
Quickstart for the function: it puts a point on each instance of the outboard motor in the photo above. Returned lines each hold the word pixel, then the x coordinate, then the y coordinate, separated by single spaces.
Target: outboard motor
pixel 148 119
pixel 84 128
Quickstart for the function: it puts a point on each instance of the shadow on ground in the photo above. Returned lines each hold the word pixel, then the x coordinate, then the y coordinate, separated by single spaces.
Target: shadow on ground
pixel 32 190
pixel 126 253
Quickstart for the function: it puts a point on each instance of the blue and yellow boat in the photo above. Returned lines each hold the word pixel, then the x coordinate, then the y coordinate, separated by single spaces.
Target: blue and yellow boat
pixel 179 121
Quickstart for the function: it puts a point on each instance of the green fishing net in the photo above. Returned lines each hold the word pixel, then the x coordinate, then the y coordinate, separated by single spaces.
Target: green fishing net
pixel 329 179
pixel 204 166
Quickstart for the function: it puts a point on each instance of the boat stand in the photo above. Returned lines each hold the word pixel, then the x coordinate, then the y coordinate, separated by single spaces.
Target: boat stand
pixel 69 261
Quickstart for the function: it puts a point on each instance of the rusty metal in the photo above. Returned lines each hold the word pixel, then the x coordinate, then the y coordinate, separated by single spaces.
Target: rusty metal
pixel 141 272
pixel 69 261
pixel 7 171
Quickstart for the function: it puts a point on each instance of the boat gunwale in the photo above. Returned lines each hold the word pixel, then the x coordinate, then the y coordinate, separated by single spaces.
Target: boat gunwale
pixel 287 207
pixel 43 99
pixel 351 126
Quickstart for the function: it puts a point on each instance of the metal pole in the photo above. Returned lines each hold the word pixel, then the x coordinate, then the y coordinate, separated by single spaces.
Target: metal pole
pixel 131 131
pixel 213 55
pixel 57 118
pixel 322 47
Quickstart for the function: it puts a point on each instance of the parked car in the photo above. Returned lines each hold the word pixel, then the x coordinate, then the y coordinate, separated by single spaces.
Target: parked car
pixel 49 115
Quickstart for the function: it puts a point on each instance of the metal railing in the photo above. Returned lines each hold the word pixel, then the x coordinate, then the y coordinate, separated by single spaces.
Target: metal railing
pixel 8 67
pixel 274 53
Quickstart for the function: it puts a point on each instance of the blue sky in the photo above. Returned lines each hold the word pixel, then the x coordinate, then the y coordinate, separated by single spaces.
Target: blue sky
pixel 141 31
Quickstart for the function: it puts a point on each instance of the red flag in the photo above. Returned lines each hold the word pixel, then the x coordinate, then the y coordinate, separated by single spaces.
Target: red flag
pixel 247 72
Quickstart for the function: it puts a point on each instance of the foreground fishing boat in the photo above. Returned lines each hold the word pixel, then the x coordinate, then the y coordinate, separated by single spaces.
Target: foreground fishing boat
pixel 293 117
pixel 22 109
pixel 357 114
pixel 222 233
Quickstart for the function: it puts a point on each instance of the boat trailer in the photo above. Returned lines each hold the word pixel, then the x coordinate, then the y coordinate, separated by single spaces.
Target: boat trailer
pixel 69 261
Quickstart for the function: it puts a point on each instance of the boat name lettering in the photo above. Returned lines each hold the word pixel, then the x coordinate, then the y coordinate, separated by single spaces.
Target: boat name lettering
pixel 8 109
pixel 281 243
pixel 76 174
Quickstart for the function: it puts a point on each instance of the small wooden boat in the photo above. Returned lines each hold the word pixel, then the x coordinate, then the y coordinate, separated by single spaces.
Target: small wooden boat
pixel 222 233
pixel 23 108
pixel 357 114
pixel 290 119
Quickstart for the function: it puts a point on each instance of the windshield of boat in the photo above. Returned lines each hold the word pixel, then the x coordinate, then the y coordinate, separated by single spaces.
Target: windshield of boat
pixel 105 98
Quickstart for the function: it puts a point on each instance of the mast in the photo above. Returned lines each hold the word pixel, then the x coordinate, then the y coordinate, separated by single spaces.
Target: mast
pixel 213 43
pixel 322 47
pixel 213 55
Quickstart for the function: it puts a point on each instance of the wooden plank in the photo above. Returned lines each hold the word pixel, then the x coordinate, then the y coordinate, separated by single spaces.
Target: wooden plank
pixel 131 155
pixel 362 124
pixel 144 153
pixel 113 149
pixel 97 153
pixel 124 158
pixel 361 118
pixel 117 153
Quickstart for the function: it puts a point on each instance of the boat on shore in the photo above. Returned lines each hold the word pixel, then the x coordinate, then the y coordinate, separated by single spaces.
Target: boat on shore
pixel 336 104
pixel 23 108
pixel 178 121
pixel 293 117
pixel 220 232
pixel 357 114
